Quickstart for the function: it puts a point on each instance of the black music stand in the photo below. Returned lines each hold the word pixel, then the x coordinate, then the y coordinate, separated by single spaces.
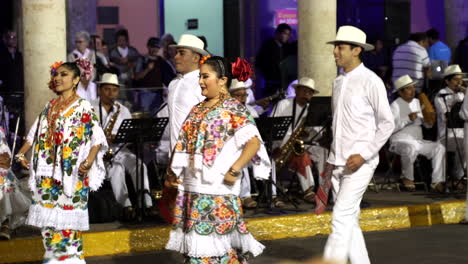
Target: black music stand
pixel 140 131
pixel 453 121
pixel 271 129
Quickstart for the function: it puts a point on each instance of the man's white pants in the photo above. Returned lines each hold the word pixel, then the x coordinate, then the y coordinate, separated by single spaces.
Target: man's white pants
pixel 346 240
pixel 409 151
pixel 126 161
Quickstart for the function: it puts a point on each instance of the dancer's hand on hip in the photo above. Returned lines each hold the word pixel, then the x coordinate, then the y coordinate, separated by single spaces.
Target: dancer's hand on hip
pixel 355 162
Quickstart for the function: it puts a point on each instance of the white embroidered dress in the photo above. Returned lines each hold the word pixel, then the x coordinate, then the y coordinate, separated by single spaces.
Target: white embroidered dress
pixel 60 194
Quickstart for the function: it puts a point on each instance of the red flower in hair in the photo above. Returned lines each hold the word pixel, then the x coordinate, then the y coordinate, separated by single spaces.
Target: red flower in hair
pixel 86 68
pixel 241 69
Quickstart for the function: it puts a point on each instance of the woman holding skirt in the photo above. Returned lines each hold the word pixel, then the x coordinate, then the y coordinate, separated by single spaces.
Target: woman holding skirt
pixel 217 140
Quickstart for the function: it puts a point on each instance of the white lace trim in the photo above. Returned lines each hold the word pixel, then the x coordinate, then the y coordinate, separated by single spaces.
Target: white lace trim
pixel 212 245
pixel 97 173
pixel 57 218
pixel 263 168
pixel 181 161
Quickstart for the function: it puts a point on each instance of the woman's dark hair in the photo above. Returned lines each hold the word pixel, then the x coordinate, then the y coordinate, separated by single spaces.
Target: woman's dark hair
pixel 222 67
pixel 73 67
pixel 123 33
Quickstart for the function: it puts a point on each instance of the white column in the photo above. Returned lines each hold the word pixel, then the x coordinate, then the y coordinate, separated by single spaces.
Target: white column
pixel 44 42
pixel 317 25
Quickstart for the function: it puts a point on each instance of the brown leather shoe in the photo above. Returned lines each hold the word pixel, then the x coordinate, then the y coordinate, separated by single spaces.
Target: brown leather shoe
pixel 438 187
pixel 408 184
pixel 278 202
pixel 5 232
pixel 249 203
pixel 309 195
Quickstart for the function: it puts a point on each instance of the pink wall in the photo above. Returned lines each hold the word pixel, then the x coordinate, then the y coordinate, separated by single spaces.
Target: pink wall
pixel 426 14
pixel 139 17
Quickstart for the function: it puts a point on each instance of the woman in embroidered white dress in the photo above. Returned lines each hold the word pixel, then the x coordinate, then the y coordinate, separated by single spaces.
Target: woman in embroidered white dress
pixel 14 200
pixel 66 162
pixel 217 140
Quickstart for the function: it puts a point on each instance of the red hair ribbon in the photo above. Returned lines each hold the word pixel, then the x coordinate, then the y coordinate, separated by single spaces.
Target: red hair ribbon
pixel 241 69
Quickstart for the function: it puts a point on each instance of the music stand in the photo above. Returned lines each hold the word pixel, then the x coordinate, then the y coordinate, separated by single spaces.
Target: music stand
pixel 140 131
pixel 453 121
pixel 271 129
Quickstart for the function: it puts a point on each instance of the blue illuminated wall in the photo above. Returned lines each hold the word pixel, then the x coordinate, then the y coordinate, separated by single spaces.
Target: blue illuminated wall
pixel 210 20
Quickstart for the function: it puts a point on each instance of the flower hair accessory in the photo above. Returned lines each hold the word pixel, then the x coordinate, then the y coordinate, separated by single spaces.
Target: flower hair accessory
pixel 241 69
pixel 86 68
pixel 202 60
pixel 54 67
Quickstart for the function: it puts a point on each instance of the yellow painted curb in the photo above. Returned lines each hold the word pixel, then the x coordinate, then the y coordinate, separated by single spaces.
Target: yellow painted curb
pixel 266 228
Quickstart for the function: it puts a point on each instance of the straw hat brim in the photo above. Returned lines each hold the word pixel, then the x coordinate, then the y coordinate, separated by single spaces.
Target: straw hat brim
pixel 116 84
pixel 404 86
pixel 454 73
pixel 197 50
pixel 298 84
pixel 365 46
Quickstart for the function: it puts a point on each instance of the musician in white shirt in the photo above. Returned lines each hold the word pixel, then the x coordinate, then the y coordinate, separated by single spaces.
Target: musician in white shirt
pixel 108 108
pixel 239 90
pixel 362 123
pixel 184 90
pixel 407 139
pixel 297 107
pixel 445 100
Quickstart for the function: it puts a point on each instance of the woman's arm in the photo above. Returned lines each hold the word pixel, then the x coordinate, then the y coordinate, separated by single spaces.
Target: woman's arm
pixel 251 148
pixel 86 164
pixel 21 154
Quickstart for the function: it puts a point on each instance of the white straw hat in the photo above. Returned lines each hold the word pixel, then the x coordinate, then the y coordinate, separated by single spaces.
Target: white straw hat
pixel 403 82
pixel 453 69
pixel 353 35
pixel 236 85
pixel 188 41
pixel 109 78
pixel 306 82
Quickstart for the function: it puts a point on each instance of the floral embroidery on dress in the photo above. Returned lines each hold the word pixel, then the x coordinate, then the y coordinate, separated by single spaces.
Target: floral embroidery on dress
pixel 205 214
pixel 206 130
pixel 66 147
pixel 232 257
pixel 50 194
pixel 62 244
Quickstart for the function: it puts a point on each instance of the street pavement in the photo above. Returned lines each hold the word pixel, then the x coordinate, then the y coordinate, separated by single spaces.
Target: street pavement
pixel 445 244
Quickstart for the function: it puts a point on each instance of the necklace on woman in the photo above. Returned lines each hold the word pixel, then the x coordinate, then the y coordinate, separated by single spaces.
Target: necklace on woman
pixel 56 108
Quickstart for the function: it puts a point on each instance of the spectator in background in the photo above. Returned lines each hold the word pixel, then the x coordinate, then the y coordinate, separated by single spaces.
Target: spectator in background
pixel 11 64
pixel 105 51
pixel 102 63
pixel 125 57
pixel 166 40
pixel 152 71
pixel 411 58
pixel 377 59
pixel 437 49
pixel 269 57
pixel 82 41
pixel 461 55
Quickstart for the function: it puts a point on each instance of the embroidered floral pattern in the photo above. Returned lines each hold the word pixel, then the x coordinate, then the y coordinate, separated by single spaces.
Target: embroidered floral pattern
pixel 206 130
pixel 73 129
pixel 62 244
pixel 205 214
pixel 50 194
pixel 233 257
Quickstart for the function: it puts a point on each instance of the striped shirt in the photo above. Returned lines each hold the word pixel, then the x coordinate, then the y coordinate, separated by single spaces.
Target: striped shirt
pixel 410 58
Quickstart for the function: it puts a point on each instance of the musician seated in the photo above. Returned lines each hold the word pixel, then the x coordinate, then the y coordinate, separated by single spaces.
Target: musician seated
pixel 447 99
pixel 239 90
pixel 260 106
pixel 111 114
pixel 297 108
pixel 407 139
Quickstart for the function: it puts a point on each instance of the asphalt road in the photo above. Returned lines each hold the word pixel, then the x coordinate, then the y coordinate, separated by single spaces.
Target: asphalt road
pixel 423 245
